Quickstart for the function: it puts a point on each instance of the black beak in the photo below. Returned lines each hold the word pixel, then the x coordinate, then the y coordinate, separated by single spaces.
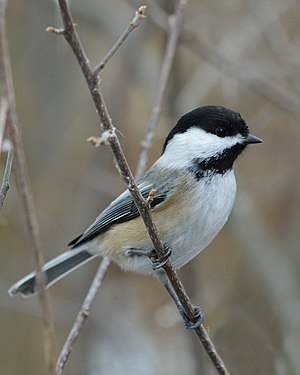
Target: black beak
pixel 253 139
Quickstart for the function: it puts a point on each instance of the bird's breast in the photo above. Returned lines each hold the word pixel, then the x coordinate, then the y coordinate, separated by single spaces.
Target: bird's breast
pixel 206 212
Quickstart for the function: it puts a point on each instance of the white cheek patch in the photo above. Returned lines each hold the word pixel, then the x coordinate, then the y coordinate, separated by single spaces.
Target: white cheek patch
pixel 195 143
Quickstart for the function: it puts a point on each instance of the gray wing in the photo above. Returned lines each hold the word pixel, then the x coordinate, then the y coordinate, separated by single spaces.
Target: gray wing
pixel 120 210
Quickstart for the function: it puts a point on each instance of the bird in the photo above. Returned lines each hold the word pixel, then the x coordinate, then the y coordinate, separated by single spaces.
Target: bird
pixel 194 189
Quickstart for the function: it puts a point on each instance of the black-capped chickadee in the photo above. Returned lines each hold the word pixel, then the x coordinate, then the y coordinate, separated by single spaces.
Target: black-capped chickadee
pixel 195 189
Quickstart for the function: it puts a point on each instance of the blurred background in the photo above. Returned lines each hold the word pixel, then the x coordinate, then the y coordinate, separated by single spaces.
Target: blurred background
pixel 241 54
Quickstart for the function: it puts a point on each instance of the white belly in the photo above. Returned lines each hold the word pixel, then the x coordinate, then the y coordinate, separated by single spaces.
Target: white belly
pixel 209 209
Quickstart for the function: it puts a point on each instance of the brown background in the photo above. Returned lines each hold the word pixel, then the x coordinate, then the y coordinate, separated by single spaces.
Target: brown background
pixel 248 281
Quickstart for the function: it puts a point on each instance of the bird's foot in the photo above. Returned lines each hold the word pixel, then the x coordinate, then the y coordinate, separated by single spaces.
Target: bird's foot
pixel 159 261
pixel 197 319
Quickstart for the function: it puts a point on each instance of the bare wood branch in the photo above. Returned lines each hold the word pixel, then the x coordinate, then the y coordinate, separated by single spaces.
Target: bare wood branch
pixel 82 315
pixel 72 38
pixel 139 16
pixel 174 28
pixel 3 118
pixel 5 146
pixel 25 192
pixel 7 172
pixel 95 141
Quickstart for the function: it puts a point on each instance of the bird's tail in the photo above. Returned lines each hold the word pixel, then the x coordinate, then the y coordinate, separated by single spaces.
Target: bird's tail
pixel 54 270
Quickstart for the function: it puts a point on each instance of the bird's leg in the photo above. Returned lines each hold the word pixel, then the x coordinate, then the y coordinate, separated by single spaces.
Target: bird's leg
pixel 157 262
pixel 136 252
pixel 198 316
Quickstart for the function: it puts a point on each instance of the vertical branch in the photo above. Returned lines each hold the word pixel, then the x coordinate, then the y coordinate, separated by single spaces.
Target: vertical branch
pixel 7 171
pixel 83 314
pixel 104 265
pixel 175 22
pixel 3 118
pixel 25 192
pixel 5 146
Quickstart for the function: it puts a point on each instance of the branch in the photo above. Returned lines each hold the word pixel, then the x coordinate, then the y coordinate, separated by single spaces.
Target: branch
pixel 96 141
pixel 7 171
pixel 3 118
pixel 139 16
pixel 25 192
pixel 174 28
pixel 82 315
pixel 5 146
pixel 112 140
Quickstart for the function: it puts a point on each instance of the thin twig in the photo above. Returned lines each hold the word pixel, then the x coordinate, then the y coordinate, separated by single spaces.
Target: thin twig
pixel 3 118
pixel 7 171
pixel 25 192
pixel 111 138
pixel 139 16
pixel 174 28
pixel 5 146
pixel 83 314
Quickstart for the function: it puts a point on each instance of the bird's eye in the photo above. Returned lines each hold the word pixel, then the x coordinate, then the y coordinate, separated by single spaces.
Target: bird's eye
pixel 221 131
